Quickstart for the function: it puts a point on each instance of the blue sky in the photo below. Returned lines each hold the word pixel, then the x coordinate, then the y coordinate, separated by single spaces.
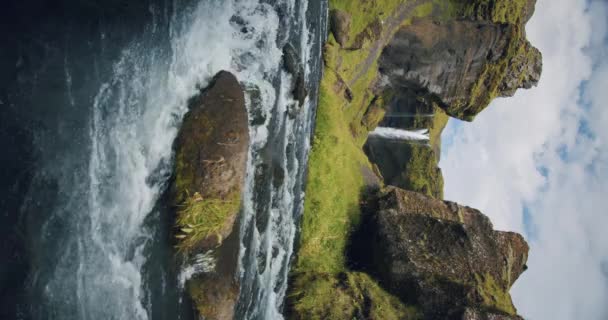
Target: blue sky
pixel 537 163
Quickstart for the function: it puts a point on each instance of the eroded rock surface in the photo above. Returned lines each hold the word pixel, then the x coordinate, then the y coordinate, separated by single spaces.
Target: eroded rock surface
pixel 211 153
pixel 445 258
pixel 462 64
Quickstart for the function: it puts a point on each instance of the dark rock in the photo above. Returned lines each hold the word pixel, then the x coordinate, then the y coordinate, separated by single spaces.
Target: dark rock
pixel 461 64
pixel 340 26
pixel 524 72
pixel 212 147
pixel 444 257
pixel 211 154
pixel 291 59
pixel 293 65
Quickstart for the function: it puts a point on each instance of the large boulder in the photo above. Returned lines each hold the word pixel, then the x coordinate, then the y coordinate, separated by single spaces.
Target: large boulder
pixel 210 156
pixel 444 257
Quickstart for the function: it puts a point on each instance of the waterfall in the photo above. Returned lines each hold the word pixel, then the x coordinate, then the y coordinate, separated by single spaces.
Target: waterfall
pixel 400 134
pixel 102 250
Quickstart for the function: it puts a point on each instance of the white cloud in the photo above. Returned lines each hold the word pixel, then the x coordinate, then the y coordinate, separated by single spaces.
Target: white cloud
pixel 532 151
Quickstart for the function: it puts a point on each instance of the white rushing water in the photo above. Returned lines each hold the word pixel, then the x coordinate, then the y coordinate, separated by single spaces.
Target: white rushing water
pixel 135 117
pixel 400 134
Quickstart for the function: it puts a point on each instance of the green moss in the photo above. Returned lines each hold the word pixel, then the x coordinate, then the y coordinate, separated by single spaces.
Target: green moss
pixel 424 10
pixel 499 11
pixel 421 173
pixel 363 13
pixel 322 286
pixel 350 295
pixel 487 86
pixel 198 219
pixel 356 68
pixel 493 295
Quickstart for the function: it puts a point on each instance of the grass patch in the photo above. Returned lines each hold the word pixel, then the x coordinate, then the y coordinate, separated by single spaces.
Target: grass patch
pixel 199 219
pixel 331 209
pixel 363 13
pixel 322 286
pixel 349 295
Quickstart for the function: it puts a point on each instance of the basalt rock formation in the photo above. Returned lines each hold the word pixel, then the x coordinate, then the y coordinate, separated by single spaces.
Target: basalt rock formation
pixel 211 153
pixel 444 257
pixel 462 64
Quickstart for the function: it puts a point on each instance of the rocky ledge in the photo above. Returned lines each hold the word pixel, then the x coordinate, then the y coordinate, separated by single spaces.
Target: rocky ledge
pixel 463 63
pixel 210 155
pixel 444 258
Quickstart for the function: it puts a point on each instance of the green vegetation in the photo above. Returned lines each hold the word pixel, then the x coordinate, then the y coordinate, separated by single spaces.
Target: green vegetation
pixel 199 219
pixel 487 87
pixel 331 209
pixel 499 11
pixel 364 13
pixel 421 173
pixel 322 286
pixel 493 295
pixel 350 295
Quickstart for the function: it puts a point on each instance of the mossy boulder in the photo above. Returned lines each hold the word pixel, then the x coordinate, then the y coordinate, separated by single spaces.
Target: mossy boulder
pixel 210 157
pixel 444 257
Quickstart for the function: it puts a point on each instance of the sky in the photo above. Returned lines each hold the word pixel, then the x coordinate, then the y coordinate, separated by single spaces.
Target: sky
pixel 537 163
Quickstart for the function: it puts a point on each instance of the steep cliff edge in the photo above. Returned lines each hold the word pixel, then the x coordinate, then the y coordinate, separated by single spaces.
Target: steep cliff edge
pixel 406 65
pixel 462 64
pixel 210 155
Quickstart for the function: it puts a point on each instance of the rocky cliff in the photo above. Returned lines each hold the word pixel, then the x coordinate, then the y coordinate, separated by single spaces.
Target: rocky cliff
pixel 464 63
pixel 210 155
pixel 365 246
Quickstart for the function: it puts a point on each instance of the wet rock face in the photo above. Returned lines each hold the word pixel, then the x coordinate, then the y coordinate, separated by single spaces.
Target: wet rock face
pixel 292 64
pixel 461 64
pixel 211 154
pixel 445 257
